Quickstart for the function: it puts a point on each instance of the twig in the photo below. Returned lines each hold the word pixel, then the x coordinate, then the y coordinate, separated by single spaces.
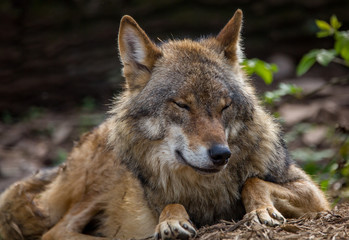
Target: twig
pixel 333 81
pixel 227 222
pixel 340 61
pixel 238 224
pixel 341 220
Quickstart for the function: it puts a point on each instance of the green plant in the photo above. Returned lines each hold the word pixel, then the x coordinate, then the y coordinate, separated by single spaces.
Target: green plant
pixel 338 167
pixel 329 165
pixel 263 69
pixel 339 54
pixel 284 89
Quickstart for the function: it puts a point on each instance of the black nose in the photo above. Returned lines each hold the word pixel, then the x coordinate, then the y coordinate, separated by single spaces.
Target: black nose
pixel 219 154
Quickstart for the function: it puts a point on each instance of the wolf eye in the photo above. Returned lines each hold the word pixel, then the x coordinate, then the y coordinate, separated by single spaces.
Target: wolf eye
pixel 226 106
pixel 182 105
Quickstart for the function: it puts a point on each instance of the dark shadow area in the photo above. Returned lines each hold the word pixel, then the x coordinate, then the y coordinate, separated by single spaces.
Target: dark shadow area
pixel 55 53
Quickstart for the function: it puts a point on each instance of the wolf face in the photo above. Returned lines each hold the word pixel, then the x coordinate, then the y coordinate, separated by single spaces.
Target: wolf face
pixel 186 94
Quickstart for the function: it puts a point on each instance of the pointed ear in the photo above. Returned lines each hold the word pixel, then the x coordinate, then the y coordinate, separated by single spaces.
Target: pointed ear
pixel 137 52
pixel 229 37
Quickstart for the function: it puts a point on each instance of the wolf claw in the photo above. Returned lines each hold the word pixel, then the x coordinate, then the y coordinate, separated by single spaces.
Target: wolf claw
pixel 266 215
pixel 174 229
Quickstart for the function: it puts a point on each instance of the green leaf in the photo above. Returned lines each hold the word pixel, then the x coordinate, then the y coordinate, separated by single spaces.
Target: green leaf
pixel 273 67
pixel 345 55
pixel 295 90
pixel 344 150
pixel 249 65
pixel 261 68
pixel 323 25
pixel 335 23
pixel 289 89
pixel 342 44
pixel 264 72
pixel 307 62
pixel 284 89
pixel 270 97
pixel 324 184
pixel 322 34
pixel 345 170
pixel 324 57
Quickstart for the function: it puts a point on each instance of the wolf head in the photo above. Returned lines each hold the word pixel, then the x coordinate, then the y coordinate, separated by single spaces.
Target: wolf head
pixel 187 97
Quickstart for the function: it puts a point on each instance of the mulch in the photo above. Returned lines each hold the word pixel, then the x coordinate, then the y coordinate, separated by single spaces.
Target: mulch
pixel 332 225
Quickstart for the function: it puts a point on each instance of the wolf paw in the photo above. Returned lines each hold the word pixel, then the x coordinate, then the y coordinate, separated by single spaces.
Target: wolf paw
pixel 266 215
pixel 174 229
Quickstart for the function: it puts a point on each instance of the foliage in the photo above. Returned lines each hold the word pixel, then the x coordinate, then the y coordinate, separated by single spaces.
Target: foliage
pixel 329 166
pixel 284 89
pixel 265 71
pixel 261 68
pixel 336 169
pixel 339 53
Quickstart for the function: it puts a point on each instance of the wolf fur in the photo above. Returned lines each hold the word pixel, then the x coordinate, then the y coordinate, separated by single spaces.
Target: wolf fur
pixel 186 144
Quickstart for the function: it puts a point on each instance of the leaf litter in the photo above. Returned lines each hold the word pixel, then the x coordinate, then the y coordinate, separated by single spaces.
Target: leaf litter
pixel 331 225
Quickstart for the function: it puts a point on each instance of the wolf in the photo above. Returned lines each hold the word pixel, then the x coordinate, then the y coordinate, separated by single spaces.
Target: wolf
pixel 187 143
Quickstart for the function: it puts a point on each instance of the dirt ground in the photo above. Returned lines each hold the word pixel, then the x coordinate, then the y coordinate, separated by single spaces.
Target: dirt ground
pixel 328 225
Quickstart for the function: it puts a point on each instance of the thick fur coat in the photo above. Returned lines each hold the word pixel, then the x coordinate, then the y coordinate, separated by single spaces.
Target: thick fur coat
pixel 186 144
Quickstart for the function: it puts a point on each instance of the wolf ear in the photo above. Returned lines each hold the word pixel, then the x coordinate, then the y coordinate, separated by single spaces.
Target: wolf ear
pixel 137 52
pixel 229 37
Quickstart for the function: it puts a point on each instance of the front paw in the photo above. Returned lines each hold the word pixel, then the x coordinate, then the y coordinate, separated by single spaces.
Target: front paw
pixel 174 229
pixel 267 215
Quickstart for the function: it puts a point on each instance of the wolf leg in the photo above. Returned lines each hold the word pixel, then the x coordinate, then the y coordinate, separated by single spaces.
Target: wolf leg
pixel 269 203
pixel 20 215
pixel 73 223
pixel 174 223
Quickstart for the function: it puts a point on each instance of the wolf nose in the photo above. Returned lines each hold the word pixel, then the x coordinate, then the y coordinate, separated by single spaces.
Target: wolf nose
pixel 219 154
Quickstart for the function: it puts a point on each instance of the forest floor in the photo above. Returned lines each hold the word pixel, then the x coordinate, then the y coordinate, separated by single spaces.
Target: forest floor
pixel 327 225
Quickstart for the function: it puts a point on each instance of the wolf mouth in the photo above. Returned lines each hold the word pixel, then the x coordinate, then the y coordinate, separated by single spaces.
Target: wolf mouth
pixel 200 170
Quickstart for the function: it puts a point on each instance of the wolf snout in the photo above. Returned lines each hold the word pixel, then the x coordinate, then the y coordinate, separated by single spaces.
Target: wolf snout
pixel 219 154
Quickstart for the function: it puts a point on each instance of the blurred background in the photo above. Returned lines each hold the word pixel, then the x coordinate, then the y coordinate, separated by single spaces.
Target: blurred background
pixel 59 70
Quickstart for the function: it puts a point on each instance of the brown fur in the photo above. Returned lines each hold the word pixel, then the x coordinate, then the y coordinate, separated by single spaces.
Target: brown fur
pixel 151 167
